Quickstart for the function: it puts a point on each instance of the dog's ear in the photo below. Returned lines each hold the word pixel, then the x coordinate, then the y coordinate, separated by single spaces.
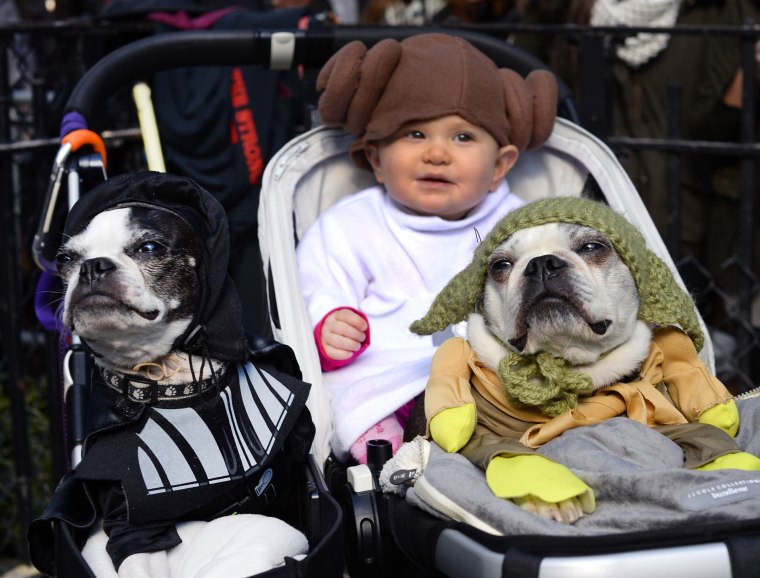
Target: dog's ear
pixel 592 190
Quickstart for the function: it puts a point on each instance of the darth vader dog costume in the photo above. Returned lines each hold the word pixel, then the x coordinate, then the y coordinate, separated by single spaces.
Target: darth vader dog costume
pixel 198 424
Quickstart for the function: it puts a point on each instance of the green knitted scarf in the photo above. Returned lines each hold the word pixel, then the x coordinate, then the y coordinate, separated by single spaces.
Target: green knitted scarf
pixel 540 380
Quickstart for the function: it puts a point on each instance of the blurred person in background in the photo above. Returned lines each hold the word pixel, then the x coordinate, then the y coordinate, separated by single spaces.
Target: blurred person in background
pixel 716 115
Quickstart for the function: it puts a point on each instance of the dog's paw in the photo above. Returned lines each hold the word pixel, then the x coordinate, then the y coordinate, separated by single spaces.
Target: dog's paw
pixel 542 486
pixel 567 511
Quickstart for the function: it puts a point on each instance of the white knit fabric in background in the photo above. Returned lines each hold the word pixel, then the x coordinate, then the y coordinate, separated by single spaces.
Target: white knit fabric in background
pixel 412 13
pixel 638 49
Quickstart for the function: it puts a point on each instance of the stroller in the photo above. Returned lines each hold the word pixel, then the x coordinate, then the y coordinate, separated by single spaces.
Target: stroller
pixel 384 533
pixel 80 162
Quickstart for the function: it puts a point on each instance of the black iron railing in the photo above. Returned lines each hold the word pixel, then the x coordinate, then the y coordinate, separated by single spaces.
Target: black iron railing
pixel 40 64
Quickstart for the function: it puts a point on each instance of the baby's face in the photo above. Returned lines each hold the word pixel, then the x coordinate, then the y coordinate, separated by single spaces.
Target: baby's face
pixel 443 167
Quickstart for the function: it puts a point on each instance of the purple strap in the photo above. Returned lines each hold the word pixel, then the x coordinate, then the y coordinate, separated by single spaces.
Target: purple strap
pixel 47 295
pixel 72 121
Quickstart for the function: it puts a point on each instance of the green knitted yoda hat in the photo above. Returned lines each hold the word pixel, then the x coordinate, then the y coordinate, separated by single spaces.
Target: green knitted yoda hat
pixel 663 302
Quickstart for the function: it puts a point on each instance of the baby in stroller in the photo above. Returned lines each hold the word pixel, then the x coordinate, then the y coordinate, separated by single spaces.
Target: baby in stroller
pixel 440 126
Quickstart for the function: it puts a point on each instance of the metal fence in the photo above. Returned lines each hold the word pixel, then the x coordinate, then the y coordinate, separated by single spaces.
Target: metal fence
pixel 39 66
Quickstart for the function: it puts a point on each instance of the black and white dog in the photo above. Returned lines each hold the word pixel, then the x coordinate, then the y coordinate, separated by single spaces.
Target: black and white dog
pixel 131 288
pixel 185 422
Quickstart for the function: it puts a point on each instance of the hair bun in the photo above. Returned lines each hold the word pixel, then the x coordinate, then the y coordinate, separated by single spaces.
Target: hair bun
pixel 353 81
pixel 531 106
pixel 337 81
pixel 543 90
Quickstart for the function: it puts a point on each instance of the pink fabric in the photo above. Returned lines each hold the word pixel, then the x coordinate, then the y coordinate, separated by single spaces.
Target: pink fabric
pixel 183 21
pixel 328 363
pixel 387 428
pixel 402 414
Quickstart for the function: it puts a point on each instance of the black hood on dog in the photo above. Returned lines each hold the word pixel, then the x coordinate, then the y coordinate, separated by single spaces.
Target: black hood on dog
pixel 217 328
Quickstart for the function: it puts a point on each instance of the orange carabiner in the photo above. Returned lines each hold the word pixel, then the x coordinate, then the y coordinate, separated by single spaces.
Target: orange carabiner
pixel 83 137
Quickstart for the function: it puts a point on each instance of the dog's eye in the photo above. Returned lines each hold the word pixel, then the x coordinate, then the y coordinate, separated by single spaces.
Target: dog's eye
pixel 499 269
pixel 62 258
pixel 149 247
pixel 591 247
pixel 500 265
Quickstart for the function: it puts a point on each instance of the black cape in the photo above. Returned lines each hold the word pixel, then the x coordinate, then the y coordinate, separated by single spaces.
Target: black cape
pixel 146 467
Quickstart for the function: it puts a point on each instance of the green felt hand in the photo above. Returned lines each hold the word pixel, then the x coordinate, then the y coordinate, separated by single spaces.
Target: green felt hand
pixel 541 485
pixel 735 461
pixel 724 416
pixel 452 428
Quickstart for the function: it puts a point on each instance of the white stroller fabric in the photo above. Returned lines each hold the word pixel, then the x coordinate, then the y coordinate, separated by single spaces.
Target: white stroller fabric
pixel 313 171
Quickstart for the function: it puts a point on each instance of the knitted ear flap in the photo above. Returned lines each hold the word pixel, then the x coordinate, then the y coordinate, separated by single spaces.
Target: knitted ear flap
pixel 531 106
pixel 454 303
pixel 664 302
pixel 353 81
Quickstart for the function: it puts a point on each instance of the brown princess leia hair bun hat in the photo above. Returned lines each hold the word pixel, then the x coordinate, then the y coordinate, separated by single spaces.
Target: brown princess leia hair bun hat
pixel 372 93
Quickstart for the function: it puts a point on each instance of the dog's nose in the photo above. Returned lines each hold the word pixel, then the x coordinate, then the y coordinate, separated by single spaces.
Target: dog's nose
pixel 545 266
pixel 96 269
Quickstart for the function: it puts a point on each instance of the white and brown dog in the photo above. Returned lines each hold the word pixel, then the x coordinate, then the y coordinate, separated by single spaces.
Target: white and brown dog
pixel 561 288
pixel 571 321
pixel 184 423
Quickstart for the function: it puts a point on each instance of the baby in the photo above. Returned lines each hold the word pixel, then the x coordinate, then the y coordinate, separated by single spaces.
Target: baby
pixel 440 126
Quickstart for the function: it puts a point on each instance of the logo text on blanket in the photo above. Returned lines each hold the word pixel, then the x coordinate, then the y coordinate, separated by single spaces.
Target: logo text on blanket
pixel 720 493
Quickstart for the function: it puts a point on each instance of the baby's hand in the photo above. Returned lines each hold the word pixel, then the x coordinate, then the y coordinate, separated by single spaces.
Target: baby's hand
pixel 343 333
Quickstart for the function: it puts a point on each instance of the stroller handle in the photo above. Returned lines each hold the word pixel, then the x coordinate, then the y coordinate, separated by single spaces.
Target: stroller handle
pixel 273 49
pixel 138 60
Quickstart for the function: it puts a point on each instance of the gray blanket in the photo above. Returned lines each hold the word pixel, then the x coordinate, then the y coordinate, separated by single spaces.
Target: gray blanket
pixel 634 471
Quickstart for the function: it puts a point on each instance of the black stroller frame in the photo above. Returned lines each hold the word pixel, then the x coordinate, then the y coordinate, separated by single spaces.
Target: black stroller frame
pixel 384 535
